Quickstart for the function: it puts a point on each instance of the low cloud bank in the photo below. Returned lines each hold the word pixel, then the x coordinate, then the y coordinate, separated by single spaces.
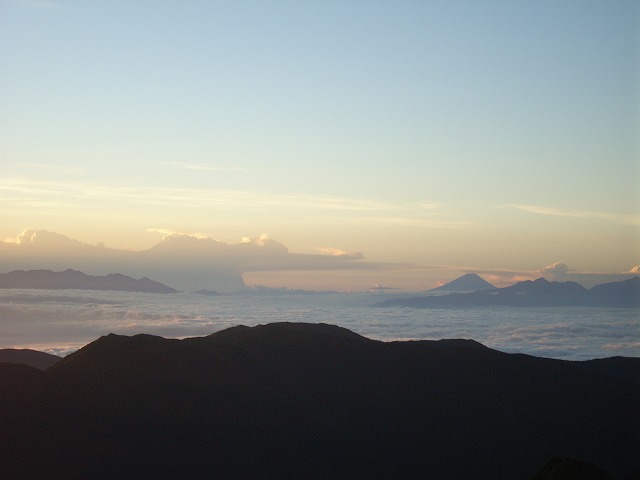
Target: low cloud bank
pixel 562 273
pixel 62 322
pixel 181 261
pixel 192 262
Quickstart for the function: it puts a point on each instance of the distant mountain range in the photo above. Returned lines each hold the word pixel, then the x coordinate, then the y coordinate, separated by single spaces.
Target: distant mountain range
pixel 73 279
pixel 25 356
pixel 536 293
pixel 314 401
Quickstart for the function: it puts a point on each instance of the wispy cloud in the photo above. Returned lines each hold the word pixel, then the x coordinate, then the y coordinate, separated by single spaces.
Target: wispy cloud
pixel 19 190
pixel 202 167
pixel 408 220
pixel 52 167
pixel 587 214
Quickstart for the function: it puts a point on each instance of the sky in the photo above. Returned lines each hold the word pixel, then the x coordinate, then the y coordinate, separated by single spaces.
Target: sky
pixel 401 144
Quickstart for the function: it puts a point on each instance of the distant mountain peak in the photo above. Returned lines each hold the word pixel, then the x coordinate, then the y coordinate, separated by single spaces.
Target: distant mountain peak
pixel 470 282
pixel 541 284
pixel 533 293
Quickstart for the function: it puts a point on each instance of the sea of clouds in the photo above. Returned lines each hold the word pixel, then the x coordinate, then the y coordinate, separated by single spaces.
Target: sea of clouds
pixel 60 322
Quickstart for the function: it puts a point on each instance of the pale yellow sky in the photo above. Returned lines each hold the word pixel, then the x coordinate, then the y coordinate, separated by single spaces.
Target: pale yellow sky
pixel 439 136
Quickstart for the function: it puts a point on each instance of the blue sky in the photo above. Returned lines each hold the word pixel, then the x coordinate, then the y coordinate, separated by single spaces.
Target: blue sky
pixel 491 134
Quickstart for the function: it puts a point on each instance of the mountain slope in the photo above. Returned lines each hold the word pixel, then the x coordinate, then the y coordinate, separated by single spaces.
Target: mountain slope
pixel 73 279
pixel 313 401
pixel 470 282
pixel 536 293
pixel 25 356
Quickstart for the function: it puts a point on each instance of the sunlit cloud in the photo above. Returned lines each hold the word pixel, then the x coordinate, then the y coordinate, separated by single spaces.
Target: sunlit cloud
pixel 161 231
pixel 556 271
pixel 587 214
pixel 500 277
pixel 261 241
pixel 167 232
pixel 334 252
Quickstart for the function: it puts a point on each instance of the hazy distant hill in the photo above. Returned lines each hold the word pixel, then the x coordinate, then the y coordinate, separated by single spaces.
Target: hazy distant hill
pixel 536 293
pixel 25 356
pixel 313 401
pixel 72 279
pixel 209 293
pixel 471 282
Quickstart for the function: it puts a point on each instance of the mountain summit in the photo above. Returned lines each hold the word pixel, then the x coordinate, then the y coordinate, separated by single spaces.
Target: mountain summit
pixel 471 282
pixel 533 293
pixel 297 400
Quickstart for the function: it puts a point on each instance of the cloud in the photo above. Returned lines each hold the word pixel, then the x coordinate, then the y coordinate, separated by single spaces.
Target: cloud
pixel 202 167
pixel 500 277
pixel 14 192
pixel 335 252
pixel 408 220
pixel 168 232
pixel 31 238
pixel 179 260
pixel 161 231
pixel 59 168
pixel 635 270
pixel 556 271
pixel 588 214
pixel 58 322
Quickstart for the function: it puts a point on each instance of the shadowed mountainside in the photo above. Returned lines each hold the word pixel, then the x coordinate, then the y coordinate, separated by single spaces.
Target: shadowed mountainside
pixel 72 279
pixel 570 469
pixel 25 356
pixel 313 401
pixel 536 293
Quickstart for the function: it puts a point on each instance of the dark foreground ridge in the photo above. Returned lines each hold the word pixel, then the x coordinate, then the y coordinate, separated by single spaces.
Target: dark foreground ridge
pixel 310 401
pixel 536 293
pixel 73 279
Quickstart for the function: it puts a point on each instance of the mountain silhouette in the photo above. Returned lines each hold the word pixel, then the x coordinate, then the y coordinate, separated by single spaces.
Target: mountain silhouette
pixel 470 282
pixel 186 262
pixel 73 279
pixel 209 293
pixel 25 356
pixel 536 293
pixel 291 400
